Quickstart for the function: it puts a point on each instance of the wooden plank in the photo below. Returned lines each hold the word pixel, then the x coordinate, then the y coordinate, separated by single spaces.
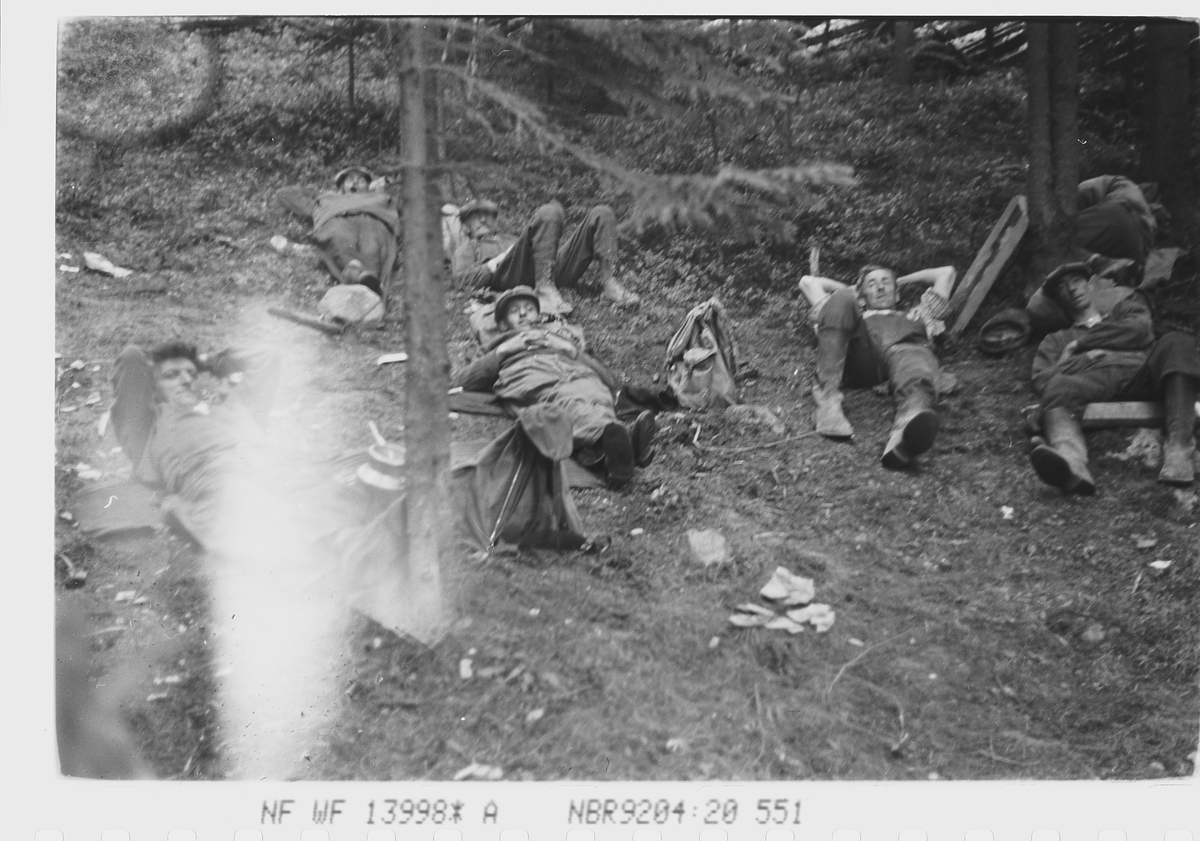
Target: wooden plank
pixel 990 263
pixel 1107 415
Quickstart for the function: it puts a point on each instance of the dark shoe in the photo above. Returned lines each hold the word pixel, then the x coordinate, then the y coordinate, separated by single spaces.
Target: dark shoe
pixel 910 438
pixel 618 454
pixel 641 433
pixel 1053 468
pixel 369 280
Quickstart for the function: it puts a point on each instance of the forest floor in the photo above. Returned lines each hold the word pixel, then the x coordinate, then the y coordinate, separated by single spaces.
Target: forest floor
pixel 987 627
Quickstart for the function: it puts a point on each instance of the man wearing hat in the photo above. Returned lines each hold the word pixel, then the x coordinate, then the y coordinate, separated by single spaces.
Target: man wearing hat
pixel 1108 353
pixel 354 226
pixel 864 340
pixel 489 259
pixel 531 363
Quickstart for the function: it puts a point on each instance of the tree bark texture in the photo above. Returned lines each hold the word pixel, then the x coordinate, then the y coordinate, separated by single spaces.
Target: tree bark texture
pixel 427 432
pixel 1168 118
pixel 1053 83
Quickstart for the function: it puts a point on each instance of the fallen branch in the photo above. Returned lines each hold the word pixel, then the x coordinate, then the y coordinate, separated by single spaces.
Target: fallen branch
pixel 307 320
pixel 861 655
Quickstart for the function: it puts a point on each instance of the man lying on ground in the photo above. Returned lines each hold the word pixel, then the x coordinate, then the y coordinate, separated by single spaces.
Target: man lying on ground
pixel 498 261
pixel 864 340
pixel 530 363
pixel 354 226
pixel 286 554
pixel 1108 356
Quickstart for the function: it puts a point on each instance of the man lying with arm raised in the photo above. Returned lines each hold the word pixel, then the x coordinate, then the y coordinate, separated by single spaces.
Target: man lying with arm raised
pixel 863 340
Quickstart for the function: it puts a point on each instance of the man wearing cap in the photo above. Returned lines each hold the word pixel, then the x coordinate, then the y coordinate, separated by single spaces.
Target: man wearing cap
pixel 533 363
pixel 489 259
pixel 864 340
pixel 1108 355
pixel 355 226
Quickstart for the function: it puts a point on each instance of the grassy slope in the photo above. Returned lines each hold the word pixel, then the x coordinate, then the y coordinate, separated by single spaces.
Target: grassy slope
pixel 920 566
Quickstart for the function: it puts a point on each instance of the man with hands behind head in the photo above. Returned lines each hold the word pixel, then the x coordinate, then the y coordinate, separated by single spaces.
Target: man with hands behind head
pixel 864 340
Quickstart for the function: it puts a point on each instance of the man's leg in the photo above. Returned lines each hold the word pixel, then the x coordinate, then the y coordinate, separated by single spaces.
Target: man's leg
pixel 1062 460
pixel 594 239
pixel 589 404
pixel 132 414
pixel 1171 373
pixel 845 353
pixel 912 371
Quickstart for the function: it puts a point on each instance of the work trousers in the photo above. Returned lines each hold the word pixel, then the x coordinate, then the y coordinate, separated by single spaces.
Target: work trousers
pixel 558 380
pixel 1119 378
pixel 538 254
pixel 851 354
pixel 358 236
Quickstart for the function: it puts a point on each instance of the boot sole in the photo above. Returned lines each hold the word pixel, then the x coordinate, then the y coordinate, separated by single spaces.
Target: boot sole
pixel 642 437
pixel 1053 469
pixel 618 455
pixel 920 432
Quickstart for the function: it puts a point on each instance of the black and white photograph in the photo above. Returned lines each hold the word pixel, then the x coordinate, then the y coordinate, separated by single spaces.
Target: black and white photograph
pixel 625 399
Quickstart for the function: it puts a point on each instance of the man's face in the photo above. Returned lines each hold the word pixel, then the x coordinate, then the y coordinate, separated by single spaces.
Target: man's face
pixel 521 314
pixel 878 289
pixel 480 224
pixel 1074 294
pixel 355 182
pixel 174 381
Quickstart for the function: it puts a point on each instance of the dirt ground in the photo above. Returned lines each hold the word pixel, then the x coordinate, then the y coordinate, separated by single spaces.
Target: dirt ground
pixel 986 627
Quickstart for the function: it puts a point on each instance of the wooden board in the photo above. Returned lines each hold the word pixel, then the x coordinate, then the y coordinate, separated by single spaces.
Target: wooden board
pixel 990 263
pixel 1106 415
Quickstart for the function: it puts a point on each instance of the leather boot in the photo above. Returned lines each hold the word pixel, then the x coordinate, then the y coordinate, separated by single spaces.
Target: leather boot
pixel 1062 461
pixel 828 417
pixel 641 434
pixel 912 433
pixel 611 290
pixel 550 300
pixel 618 454
pixel 1179 395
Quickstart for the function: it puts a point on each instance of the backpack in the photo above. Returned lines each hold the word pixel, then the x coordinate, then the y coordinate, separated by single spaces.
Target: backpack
pixel 702 359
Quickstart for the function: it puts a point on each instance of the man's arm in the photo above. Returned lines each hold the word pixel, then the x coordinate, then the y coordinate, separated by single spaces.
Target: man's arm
pixel 816 288
pixel 1129 327
pixel 298 200
pixel 255 374
pixel 480 375
pixel 467 270
pixel 940 279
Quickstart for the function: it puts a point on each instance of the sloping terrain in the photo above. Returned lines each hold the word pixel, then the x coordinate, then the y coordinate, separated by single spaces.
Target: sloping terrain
pixel 987 627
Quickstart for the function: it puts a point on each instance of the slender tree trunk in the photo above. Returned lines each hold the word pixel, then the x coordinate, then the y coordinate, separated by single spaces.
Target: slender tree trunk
pixel 1064 122
pixel 1052 72
pixel 902 53
pixel 427 435
pixel 1167 118
pixel 350 72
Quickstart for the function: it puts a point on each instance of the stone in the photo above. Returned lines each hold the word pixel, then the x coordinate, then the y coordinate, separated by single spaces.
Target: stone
pixel 352 304
pixel 708 547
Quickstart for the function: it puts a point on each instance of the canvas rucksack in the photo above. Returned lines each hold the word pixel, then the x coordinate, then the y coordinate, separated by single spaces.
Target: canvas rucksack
pixel 702 359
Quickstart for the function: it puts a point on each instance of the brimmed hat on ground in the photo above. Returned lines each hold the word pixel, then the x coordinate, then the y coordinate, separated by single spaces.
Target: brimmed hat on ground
pixel 511 295
pixel 1004 332
pixel 341 176
pixel 1066 270
pixel 477 206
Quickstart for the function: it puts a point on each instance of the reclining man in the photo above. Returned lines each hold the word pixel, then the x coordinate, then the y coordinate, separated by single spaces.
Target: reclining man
pixel 1108 356
pixel 863 340
pixel 498 261
pixel 354 226
pixel 530 363
pixel 286 554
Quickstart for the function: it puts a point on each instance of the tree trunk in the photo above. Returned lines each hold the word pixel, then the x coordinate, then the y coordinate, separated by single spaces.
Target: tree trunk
pixel 902 53
pixel 350 72
pixel 1053 81
pixel 1167 119
pixel 427 435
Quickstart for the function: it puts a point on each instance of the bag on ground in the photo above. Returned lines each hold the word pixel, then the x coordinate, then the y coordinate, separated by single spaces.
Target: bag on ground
pixel 702 359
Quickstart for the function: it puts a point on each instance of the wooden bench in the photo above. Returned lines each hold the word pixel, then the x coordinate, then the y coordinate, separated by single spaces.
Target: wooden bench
pixel 1109 415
